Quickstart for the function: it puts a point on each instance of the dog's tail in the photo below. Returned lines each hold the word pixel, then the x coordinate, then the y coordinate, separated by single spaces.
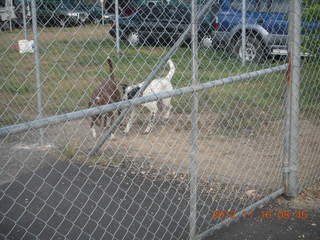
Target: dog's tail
pixel 172 70
pixel 111 69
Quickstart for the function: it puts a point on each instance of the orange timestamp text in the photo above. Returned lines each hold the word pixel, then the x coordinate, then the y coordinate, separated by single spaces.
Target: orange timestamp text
pixel 281 214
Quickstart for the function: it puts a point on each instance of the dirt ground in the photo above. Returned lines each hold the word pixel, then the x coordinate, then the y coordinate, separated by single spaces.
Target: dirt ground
pixel 234 172
pixel 250 158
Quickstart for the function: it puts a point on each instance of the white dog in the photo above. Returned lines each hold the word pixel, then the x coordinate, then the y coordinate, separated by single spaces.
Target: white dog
pixel 156 86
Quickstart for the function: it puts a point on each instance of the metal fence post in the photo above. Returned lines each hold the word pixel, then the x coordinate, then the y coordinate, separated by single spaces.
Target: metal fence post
pixel 243 32
pixel 292 118
pixel 117 26
pixel 11 14
pixel 37 65
pixel 25 30
pixel 102 11
pixel 194 129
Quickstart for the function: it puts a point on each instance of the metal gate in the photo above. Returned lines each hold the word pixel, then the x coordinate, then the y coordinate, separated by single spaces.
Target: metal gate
pixel 189 147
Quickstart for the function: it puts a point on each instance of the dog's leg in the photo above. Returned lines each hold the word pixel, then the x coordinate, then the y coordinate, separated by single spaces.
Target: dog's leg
pixel 153 108
pixel 151 122
pixel 167 107
pixel 131 120
pixel 94 134
pixel 93 130
pixel 112 118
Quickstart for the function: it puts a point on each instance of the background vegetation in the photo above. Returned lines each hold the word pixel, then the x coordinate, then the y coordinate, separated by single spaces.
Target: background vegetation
pixel 73 63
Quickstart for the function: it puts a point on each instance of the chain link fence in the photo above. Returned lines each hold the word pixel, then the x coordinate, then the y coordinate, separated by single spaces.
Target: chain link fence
pixel 154 119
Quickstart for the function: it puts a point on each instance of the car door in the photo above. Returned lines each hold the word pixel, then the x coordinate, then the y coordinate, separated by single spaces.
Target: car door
pixel 274 18
pixel 229 15
pixel 277 17
pixel 270 14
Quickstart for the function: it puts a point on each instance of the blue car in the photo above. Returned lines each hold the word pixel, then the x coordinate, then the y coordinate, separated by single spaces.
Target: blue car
pixel 266 27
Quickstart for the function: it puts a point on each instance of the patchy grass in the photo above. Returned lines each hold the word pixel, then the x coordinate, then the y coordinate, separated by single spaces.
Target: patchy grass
pixel 73 63
pixel 104 160
pixel 69 151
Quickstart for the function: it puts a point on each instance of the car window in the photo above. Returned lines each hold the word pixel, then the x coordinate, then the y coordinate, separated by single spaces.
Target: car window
pixel 279 6
pixel 41 6
pixel 158 12
pixel 262 5
pixel 51 7
pixel 144 12
pixel 215 7
pixel 181 14
pixel 251 5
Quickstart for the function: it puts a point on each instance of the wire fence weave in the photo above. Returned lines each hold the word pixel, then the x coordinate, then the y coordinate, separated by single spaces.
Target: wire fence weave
pixel 153 119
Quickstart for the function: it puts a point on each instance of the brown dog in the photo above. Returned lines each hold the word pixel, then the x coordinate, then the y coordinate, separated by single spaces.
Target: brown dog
pixel 107 93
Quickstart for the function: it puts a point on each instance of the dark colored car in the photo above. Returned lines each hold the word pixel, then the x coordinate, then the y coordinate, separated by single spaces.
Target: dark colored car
pixel 57 12
pixel 96 13
pixel 266 27
pixel 160 24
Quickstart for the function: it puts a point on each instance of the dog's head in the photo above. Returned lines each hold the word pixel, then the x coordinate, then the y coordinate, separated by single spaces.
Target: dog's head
pixel 130 91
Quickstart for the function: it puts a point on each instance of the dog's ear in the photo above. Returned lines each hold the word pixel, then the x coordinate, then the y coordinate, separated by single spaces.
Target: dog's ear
pixel 124 87
pixel 133 92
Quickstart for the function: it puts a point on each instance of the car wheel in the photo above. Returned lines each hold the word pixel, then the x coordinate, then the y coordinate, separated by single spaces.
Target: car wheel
pixel 206 42
pixel 133 38
pixel 254 51
pixel 96 21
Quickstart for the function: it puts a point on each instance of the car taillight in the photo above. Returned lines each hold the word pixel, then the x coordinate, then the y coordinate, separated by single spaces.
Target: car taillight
pixel 215 26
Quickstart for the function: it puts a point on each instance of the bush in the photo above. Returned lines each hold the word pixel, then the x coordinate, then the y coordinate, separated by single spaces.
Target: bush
pixel 311 32
pixel 311 13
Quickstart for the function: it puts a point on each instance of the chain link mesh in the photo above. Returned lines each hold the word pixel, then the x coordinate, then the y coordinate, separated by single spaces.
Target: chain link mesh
pixel 137 186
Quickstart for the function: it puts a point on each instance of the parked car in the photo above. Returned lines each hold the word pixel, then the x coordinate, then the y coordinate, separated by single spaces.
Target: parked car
pixel 58 12
pixel 96 13
pixel 160 24
pixel 266 27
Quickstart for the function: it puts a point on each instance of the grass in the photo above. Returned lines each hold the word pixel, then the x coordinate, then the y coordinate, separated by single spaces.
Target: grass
pixel 71 152
pixel 73 63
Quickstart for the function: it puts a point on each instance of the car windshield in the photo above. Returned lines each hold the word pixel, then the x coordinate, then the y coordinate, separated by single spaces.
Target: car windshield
pixel 84 5
pixel 272 6
pixel 251 5
pixel 69 6
pixel 279 6
pixel 51 6
pixel 168 12
pixel 180 14
pixel 144 12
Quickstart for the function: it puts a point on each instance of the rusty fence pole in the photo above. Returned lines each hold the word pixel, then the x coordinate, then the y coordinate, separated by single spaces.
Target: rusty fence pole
pixel 291 162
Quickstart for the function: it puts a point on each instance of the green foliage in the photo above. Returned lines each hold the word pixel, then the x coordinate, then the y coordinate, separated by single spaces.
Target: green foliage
pixel 311 13
pixel 311 32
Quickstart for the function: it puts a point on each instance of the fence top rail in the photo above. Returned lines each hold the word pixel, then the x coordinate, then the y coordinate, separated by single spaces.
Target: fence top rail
pixel 44 122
